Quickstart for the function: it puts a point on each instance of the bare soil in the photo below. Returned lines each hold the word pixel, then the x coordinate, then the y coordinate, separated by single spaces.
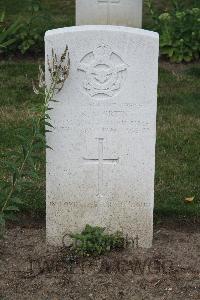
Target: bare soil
pixel 170 270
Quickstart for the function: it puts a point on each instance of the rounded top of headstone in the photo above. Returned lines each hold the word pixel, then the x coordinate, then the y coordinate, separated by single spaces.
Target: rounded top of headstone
pixel 84 28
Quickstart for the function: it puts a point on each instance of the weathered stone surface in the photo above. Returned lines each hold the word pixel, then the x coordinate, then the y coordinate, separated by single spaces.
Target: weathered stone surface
pixel 101 169
pixel 109 12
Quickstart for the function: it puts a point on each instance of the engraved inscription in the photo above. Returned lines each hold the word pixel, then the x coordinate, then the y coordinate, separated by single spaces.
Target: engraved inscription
pixel 100 161
pixel 104 72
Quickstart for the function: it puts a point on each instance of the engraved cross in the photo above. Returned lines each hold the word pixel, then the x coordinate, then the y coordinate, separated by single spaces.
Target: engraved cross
pixel 100 161
pixel 108 3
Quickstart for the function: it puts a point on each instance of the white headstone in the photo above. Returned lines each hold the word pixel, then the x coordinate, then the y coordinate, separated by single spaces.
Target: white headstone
pixel 101 169
pixel 109 12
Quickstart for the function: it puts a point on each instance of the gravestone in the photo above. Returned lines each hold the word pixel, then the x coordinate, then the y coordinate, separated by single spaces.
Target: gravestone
pixel 101 169
pixel 109 12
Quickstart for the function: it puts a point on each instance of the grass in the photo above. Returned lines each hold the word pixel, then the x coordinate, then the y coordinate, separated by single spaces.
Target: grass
pixel 16 102
pixel 178 136
pixel 178 126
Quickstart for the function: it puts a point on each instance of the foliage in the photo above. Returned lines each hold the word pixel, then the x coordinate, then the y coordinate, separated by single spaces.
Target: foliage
pixel 31 34
pixel 94 241
pixel 27 35
pixel 7 33
pixel 27 159
pixel 179 31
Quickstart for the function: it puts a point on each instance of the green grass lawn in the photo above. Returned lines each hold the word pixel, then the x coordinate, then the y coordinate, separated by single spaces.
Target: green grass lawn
pixel 178 142
pixel 16 102
pixel 178 125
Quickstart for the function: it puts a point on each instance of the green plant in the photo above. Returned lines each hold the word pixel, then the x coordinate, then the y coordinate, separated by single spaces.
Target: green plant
pixel 7 33
pixel 179 31
pixel 25 35
pixel 94 241
pixel 30 36
pixel 25 165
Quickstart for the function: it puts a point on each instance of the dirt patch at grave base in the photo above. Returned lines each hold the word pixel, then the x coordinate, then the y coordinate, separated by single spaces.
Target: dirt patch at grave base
pixel 169 270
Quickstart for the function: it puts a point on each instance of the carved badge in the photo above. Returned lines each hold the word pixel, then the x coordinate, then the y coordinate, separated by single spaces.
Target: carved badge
pixel 104 70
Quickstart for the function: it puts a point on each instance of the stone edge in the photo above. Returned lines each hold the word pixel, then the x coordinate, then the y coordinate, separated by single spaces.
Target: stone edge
pixel 111 28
